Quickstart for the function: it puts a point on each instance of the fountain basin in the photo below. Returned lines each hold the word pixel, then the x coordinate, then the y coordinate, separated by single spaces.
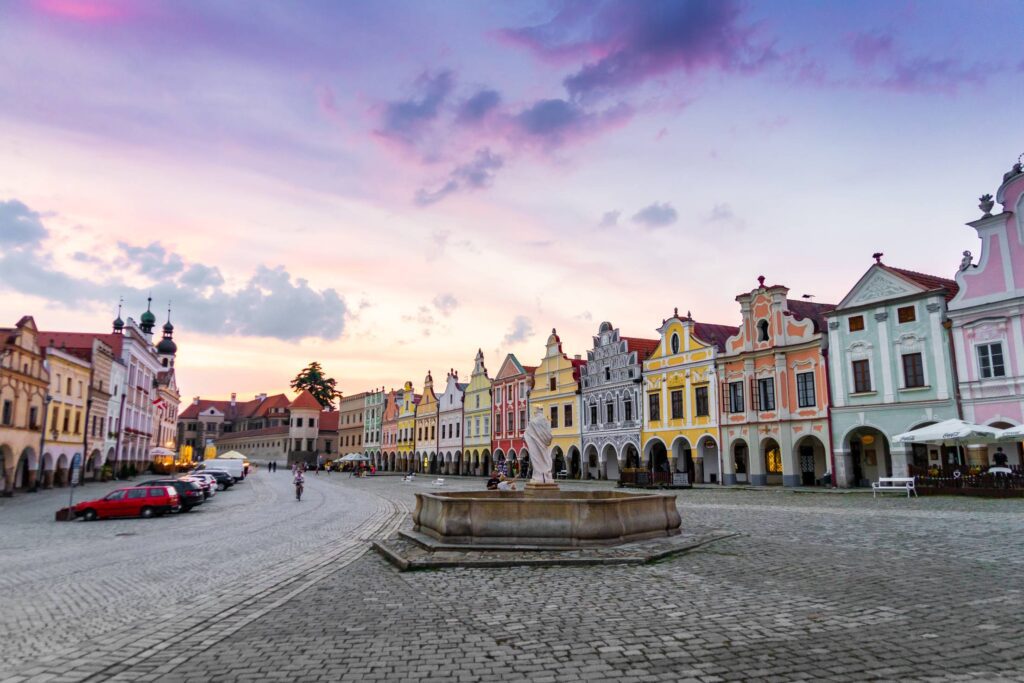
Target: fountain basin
pixel 548 518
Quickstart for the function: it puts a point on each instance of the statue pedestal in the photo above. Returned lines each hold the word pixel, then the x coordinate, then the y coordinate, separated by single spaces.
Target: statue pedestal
pixel 538 488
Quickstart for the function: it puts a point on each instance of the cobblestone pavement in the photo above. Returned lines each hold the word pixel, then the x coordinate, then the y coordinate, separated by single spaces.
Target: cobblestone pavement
pixel 817 586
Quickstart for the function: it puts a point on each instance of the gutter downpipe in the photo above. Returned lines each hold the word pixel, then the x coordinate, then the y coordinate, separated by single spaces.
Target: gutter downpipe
pixel 828 411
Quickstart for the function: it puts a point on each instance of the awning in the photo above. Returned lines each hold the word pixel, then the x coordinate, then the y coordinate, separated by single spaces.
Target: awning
pixel 355 457
pixel 951 433
pixel 1013 434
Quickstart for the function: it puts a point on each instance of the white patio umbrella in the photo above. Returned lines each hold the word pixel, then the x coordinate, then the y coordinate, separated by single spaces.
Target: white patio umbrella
pixel 1013 434
pixel 355 457
pixel 951 433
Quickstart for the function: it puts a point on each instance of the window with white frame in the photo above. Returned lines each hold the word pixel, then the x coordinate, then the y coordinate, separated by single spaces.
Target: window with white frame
pixel 990 360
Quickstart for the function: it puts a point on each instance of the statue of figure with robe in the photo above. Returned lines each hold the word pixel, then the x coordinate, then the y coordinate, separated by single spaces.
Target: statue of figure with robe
pixel 538 441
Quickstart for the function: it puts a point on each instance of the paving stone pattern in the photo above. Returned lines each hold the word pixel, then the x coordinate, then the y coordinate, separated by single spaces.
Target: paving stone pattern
pixel 817 586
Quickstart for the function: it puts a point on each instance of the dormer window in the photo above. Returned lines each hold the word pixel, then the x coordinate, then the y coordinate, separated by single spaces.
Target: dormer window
pixel 762 330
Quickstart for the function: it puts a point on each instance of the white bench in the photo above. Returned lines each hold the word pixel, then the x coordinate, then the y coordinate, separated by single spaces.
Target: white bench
pixel 897 484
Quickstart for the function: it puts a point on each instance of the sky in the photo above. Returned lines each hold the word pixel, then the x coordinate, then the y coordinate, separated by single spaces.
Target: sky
pixel 387 187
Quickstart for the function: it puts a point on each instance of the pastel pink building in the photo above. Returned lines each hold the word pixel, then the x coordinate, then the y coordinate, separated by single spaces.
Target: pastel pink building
pixel 987 317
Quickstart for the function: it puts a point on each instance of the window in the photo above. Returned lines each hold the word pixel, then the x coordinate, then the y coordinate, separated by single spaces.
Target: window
pixel 568 415
pixel 805 390
pixel 627 410
pixel 762 330
pixel 554 416
pixel 766 393
pixel 609 412
pixel 69 386
pixel 593 413
pixel 478 400
pixel 511 423
pixel 675 343
pixel 553 384
pixel 677 404
pixel 607 374
pixel 861 376
pixel 8 416
pixel 913 370
pixel 990 360
pixel 497 423
pixel 137 493
pixel 116 495
pixel 487 426
pixel 906 314
pixel 67 420
pixel 735 397
pixel 773 461
pixel 653 407
pixel 856 323
pixel 701 407
pixel 33 418
pixel 497 395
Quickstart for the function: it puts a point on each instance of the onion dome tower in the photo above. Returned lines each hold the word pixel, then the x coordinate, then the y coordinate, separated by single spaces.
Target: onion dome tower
pixel 118 323
pixel 147 320
pixel 166 347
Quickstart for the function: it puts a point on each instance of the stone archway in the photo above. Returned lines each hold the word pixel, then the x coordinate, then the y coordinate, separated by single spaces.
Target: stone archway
pixel 811 459
pixel 771 459
pixel 7 463
pixel 558 464
pixel 525 464
pixel 93 467
pixel 656 456
pixel 741 461
pixel 513 463
pixel 630 457
pixel 707 453
pixel 575 463
pixel 611 461
pixel 682 459
pixel 869 456
pixel 593 465
pixel 60 471
pixel 485 463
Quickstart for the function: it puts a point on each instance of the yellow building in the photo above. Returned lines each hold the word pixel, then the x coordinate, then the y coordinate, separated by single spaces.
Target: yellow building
pixel 476 407
pixel 680 428
pixel 65 433
pixel 426 428
pixel 24 381
pixel 556 391
pixel 406 444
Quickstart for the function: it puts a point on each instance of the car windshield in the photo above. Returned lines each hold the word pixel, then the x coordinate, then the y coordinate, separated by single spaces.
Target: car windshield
pixel 115 495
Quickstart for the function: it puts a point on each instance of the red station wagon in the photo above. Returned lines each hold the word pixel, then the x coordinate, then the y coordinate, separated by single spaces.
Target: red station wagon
pixel 140 501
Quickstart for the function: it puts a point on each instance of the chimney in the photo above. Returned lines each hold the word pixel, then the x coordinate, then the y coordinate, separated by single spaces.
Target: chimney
pixel 578 357
pixel 261 397
pixel 195 400
pixel 233 395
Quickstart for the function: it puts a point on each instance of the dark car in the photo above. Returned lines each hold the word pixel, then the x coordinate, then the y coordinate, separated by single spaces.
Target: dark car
pixel 189 493
pixel 224 480
pixel 203 484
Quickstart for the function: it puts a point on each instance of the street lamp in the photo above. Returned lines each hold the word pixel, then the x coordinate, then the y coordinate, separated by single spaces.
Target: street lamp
pixel 42 441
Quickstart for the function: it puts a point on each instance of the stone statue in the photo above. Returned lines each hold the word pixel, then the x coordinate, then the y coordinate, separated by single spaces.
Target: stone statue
pixel 538 440
pixel 965 262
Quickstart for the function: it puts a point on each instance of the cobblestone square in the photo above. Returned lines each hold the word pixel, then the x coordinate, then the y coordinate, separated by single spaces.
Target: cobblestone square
pixel 255 586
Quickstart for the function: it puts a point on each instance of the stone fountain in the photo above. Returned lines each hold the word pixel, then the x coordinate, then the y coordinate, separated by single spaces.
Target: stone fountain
pixel 543 515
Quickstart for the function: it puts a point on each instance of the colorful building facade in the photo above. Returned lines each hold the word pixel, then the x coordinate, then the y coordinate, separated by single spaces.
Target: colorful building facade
pixel 987 317
pixel 612 398
pixel 405 449
pixel 24 382
pixel 426 429
pixel 476 434
pixel 449 424
pixel 373 413
pixel 510 395
pixel 556 391
pixel 681 400
pixel 389 430
pixel 891 371
pixel 774 392
pixel 350 424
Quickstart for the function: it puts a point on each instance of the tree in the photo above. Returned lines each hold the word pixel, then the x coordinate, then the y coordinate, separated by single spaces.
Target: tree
pixel 313 380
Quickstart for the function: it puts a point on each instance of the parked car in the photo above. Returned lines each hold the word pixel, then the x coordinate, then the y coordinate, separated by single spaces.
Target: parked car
pixel 223 479
pixel 189 492
pixel 204 484
pixel 208 479
pixel 138 501
pixel 236 468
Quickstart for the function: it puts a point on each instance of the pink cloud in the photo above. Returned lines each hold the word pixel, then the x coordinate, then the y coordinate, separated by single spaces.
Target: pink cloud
pixel 93 11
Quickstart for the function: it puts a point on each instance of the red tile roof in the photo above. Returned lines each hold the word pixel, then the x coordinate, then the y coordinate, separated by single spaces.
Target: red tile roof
pixel 714 334
pixel 257 408
pixel 530 369
pixel 329 420
pixel 929 282
pixel 808 309
pixel 80 340
pixel 643 347
pixel 305 401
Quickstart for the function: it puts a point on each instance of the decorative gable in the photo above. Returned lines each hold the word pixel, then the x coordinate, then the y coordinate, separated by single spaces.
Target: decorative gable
pixel 879 285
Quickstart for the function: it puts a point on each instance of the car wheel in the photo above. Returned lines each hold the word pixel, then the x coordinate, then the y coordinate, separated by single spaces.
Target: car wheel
pixel 220 486
pixel 146 513
pixel 89 515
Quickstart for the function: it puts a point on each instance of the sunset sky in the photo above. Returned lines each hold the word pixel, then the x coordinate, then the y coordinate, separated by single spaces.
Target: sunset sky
pixel 387 186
